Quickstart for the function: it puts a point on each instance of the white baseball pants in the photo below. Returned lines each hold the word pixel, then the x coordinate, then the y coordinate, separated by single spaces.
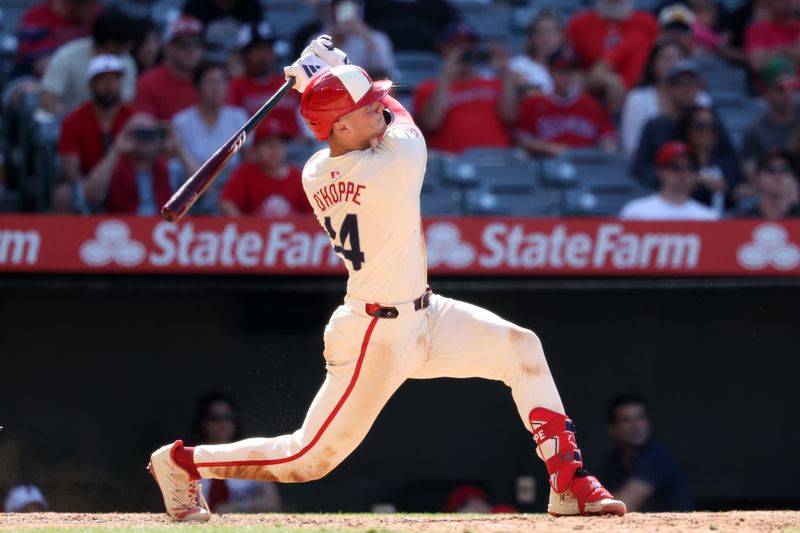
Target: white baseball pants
pixel 367 360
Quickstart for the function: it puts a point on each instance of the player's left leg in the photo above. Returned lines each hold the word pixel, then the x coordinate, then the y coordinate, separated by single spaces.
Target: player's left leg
pixel 468 341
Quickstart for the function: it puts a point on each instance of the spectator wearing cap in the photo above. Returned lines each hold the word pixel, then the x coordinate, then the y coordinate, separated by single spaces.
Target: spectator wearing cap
pixel 677 174
pixel 204 127
pixel 719 174
pixel 52 23
pixel 774 128
pixel 222 20
pixel 64 85
pixel 550 124
pixel 462 109
pixel 88 132
pixel 676 23
pixel 266 186
pixel 166 89
pixel 775 178
pixel 684 83
pixel 260 80
pixel 612 42
pixel 134 177
pixel 776 35
pixel 25 499
pixel 545 36
pixel 652 96
pixel 411 24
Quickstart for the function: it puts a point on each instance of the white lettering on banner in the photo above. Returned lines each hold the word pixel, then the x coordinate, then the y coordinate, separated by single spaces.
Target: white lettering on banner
pixel 611 247
pixel 18 246
pixel 283 245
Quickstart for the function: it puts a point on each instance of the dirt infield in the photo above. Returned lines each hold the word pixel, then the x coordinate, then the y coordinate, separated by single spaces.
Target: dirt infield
pixel 783 521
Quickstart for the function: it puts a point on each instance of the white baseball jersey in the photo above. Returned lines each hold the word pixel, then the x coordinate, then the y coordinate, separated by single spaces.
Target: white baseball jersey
pixel 368 202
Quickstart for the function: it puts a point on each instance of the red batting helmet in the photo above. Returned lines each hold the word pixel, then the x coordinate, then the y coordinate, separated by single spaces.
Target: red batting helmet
pixel 336 92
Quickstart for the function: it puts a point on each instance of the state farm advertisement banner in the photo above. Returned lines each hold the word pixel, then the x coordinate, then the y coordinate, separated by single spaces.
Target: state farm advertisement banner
pixel 469 246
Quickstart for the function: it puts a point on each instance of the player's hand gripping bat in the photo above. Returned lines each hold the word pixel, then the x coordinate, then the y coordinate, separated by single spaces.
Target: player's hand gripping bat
pixel 185 197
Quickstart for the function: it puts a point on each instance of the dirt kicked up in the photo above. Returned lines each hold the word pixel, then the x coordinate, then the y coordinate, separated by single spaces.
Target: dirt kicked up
pixel 780 521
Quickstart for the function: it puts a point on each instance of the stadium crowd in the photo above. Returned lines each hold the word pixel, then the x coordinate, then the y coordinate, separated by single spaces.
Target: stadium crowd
pixel 131 105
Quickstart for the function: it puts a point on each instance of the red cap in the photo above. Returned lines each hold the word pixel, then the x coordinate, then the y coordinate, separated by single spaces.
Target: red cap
pixel 183 25
pixel 670 151
pixel 271 127
pixel 336 92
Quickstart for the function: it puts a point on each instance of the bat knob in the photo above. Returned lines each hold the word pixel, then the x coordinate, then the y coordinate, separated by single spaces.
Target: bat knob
pixel 169 215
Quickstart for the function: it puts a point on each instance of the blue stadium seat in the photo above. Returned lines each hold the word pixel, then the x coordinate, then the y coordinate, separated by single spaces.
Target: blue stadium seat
pixel 595 165
pixel 722 77
pixel 600 199
pixel 413 67
pixel 288 16
pixel 737 112
pixel 492 22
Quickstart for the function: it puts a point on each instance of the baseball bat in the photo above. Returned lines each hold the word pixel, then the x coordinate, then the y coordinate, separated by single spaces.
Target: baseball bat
pixel 185 197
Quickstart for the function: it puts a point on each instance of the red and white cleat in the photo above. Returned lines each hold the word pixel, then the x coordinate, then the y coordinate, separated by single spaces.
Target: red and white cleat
pixel 585 496
pixel 180 492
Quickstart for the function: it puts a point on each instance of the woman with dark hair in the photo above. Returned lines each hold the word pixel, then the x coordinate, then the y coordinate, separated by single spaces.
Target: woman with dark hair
pixel 146 45
pixel 716 159
pixel 651 97
pixel 545 36
pixel 216 421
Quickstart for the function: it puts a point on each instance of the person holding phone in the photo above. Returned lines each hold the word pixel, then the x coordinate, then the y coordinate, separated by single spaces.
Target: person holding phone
pixel 134 177
pixel 365 46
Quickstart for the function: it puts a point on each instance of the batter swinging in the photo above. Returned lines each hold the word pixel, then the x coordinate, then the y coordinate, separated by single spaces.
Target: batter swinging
pixel 365 192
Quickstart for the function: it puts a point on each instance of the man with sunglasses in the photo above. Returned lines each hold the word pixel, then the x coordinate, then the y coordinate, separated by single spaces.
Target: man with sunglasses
pixel 164 90
pixel 677 174
pixel 776 180
pixel 775 126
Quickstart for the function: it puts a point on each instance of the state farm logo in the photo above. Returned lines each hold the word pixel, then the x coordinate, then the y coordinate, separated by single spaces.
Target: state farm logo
pixel 770 247
pixel 446 247
pixel 112 243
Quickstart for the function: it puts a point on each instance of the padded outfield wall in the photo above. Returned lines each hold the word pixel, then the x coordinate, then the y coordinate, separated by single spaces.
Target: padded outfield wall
pixel 98 370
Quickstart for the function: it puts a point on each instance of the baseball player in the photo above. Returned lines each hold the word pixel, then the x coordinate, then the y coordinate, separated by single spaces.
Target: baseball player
pixel 364 189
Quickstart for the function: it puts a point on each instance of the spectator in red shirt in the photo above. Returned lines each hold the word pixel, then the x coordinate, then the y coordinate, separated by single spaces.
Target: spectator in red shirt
pixel 461 109
pixel 778 35
pixel 134 177
pixel 612 42
pixel 52 23
pixel 88 132
pixel 164 90
pixel 267 186
pixel 260 81
pixel 550 124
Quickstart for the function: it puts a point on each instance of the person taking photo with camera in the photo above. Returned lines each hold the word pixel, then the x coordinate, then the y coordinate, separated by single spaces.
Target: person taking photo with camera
pixel 134 176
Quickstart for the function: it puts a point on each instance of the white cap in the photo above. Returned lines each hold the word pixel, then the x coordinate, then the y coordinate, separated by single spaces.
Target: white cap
pixel 676 14
pixel 23 495
pixel 104 63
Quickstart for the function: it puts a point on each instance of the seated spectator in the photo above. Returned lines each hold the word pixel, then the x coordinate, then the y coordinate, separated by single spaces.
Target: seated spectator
pixel 545 36
pixel 64 83
pixel 652 97
pixel 775 126
pixel 267 186
pixel 204 127
pixel 134 178
pixel 217 421
pixel 411 24
pixel 146 49
pixel 461 109
pixel 166 89
pixel 677 174
pixel 777 35
pixel 222 20
pixel 260 79
pixel 365 46
pixel 88 132
pixel 676 23
pixel 52 23
pixel 612 42
pixel 718 163
pixel 25 499
pixel 683 92
pixel 641 469
pixel 777 183
pixel 550 124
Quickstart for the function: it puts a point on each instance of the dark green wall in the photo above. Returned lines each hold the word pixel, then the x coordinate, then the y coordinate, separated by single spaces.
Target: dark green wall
pixel 94 374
